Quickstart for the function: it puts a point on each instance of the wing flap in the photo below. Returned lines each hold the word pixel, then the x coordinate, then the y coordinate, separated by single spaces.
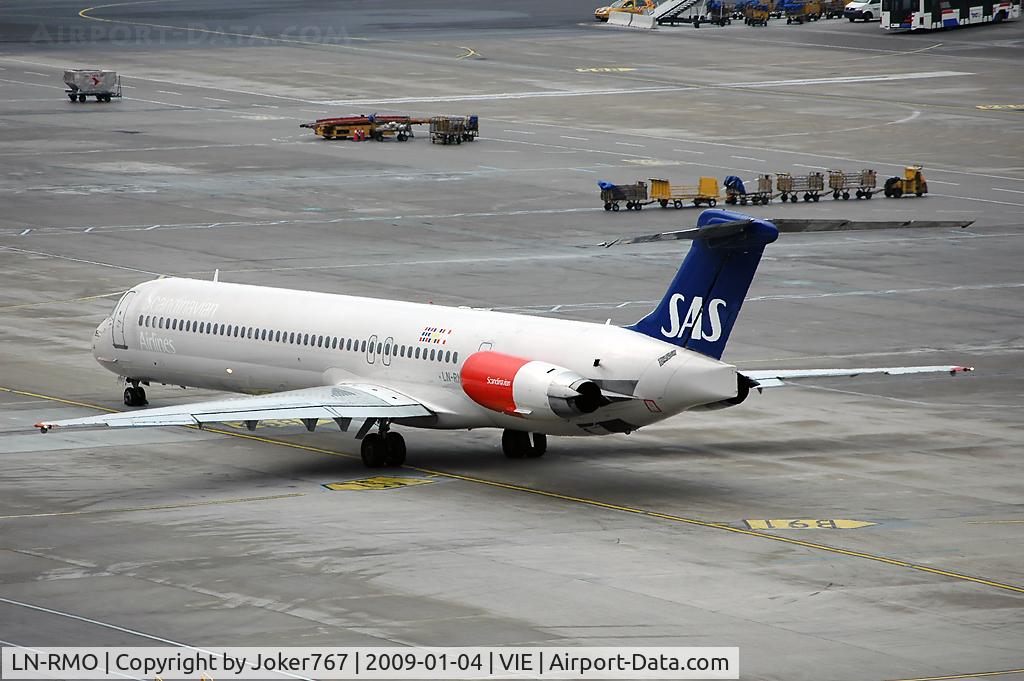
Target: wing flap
pixel 353 401
pixel 777 378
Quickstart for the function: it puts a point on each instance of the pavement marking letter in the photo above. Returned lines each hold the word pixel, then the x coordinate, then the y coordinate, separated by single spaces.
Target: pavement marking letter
pixel 807 524
pixel 378 482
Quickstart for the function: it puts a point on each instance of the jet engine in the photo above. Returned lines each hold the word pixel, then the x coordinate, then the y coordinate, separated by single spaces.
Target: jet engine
pixel 528 388
pixel 743 386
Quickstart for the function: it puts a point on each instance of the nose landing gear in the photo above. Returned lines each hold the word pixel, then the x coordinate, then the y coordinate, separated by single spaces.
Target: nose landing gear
pixel 135 395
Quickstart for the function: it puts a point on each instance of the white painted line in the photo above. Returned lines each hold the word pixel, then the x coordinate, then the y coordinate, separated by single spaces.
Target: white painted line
pixel 87 262
pixel 89 229
pixel 971 198
pixel 24 232
pixel 127 149
pixel 125 630
pixel 1014 191
pixel 520 132
pixel 581 139
pixel 689 151
pixel 629 144
pixel 168 92
pixel 214 99
pixel 749 158
pixel 839 80
pixel 34 73
pixel 953 184
pixel 801 165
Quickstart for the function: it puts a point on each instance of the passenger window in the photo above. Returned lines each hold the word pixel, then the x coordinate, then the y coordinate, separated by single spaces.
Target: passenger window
pixel 223 329
pixel 417 352
pixel 401 351
pixel 140 320
pixel 455 357
pixel 248 333
pixel 387 348
pixel 448 356
pixel 431 354
pixel 380 348
pixel 320 341
pixel 348 344
pixel 291 338
pixel 363 346
pixel 160 323
pixel 334 343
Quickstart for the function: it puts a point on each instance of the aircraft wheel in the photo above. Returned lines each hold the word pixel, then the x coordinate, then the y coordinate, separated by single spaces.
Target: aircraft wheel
pixel 394 446
pixel 135 397
pixel 129 397
pixel 373 451
pixel 516 444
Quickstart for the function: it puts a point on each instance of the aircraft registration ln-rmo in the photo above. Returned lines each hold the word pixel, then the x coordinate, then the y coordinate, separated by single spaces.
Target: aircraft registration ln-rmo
pixel 370 364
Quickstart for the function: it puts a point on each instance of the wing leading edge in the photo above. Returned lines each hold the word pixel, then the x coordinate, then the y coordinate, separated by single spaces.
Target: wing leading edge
pixel 777 378
pixel 339 402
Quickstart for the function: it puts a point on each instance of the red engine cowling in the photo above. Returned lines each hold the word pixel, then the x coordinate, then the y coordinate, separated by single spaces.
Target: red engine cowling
pixel 528 388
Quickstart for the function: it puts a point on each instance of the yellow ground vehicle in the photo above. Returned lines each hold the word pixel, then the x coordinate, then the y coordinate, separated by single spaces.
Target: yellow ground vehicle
pixel 912 182
pixel 664 192
pixel 629 6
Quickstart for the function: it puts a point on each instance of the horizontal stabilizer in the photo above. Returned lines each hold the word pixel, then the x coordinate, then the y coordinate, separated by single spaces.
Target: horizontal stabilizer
pixel 789 225
pixel 777 378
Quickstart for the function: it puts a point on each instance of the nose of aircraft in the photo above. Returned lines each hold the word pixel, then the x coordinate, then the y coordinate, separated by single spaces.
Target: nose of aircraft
pixel 102 342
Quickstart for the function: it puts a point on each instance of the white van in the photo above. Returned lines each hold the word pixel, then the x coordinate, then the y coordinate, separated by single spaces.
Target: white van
pixel 868 10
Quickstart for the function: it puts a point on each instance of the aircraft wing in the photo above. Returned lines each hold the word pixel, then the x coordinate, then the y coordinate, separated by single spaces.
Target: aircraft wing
pixel 777 378
pixel 341 402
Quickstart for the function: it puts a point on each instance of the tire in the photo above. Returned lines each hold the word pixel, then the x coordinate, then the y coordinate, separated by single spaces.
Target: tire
pixel 868 17
pixel 663 203
pixel 373 451
pixel 846 196
pixel 919 193
pixel 897 192
pixel 638 206
pixel 713 203
pixel 785 197
pixel 73 98
pixel 515 444
pixel 867 195
pixel 394 448
pixel 607 206
pixel 835 195
pixel 129 397
pixel 629 205
pixel 677 204
pixel 81 98
pixel 615 207
pixel 792 198
pixel 540 445
pixel 816 198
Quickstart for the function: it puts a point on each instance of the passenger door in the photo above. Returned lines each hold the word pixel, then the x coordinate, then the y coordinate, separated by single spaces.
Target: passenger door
pixel 119 339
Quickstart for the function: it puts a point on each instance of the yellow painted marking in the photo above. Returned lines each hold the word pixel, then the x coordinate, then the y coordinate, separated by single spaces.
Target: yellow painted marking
pixel 591 502
pixel 470 52
pixel 807 524
pixel 996 107
pixel 163 507
pixel 975 675
pixel 378 482
pixel 605 69
pixel 993 522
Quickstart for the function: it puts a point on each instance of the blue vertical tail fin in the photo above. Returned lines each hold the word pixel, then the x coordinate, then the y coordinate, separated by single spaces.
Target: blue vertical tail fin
pixel 701 306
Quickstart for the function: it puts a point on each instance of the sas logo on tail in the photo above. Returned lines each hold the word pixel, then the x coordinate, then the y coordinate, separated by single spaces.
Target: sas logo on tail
pixel 682 318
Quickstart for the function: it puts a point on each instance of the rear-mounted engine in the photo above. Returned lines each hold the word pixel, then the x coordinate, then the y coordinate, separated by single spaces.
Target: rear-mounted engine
pixel 528 388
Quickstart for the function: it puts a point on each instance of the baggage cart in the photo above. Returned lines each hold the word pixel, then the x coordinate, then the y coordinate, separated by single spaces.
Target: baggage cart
pixel 454 129
pixel 705 191
pixel 833 9
pixel 756 14
pixel 634 195
pixel 790 186
pixel 736 191
pixel 720 12
pixel 799 11
pixel 85 83
pixel 865 182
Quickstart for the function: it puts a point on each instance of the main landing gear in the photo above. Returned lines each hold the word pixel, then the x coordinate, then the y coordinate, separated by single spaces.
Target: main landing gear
pixel 383 448
pixel 517 445
pixel 135 395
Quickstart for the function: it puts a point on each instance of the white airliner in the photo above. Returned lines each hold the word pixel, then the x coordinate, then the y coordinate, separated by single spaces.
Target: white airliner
pixel 369 364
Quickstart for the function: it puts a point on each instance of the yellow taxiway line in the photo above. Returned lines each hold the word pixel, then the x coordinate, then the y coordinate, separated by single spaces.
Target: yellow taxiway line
pixel 593 503
pixel 975 675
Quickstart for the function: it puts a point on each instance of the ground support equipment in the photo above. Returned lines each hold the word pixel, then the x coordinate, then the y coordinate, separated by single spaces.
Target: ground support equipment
pixel 736 191
pixel 864 183
pixel 633 195
pixel 704 192
pixel 791 186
